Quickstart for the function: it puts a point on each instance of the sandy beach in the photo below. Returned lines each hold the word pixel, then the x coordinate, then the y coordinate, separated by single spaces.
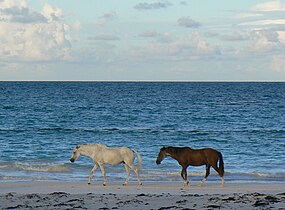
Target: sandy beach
pixel 152 195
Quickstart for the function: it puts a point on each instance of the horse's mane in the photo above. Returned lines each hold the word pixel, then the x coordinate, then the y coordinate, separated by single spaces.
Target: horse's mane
pixel 92 145
pixel 99 146
pixel 176 150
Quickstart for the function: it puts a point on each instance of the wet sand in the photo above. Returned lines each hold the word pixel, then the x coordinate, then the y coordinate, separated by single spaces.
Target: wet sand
pixel 152 195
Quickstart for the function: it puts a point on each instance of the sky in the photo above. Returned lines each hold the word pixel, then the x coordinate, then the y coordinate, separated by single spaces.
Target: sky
pixel 140 40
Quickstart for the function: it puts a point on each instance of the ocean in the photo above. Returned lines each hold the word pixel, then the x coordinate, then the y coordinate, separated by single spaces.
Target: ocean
pixel 41 122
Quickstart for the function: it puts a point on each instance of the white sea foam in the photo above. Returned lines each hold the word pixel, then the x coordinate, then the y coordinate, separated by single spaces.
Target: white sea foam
pixel 36 167
pixel 239 102
pixel 23 178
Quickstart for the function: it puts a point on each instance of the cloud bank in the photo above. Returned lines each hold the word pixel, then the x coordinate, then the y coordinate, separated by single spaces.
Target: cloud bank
pixel 28 35
pixel 168 39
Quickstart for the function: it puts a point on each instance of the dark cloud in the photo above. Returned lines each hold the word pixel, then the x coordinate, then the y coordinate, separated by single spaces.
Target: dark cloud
pixel 211 34
pixel 188 22
pixel 278 28
pixel 22 15
pixel 149 34
pixel 109 16
pixel 271 36
pixel 160 37
pixel 104 37
pixel 235 37
pixel 149 6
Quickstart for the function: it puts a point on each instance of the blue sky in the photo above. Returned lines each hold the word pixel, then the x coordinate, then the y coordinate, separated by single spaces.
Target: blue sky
pixel 164 40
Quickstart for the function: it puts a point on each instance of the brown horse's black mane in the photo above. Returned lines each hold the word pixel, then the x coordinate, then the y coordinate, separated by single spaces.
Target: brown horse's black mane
pixel 176 150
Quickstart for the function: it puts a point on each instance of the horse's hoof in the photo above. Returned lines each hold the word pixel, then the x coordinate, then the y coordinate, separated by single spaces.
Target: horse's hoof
pixel 104 184
pixel 186 184
pixel 140 184
pixel 124 184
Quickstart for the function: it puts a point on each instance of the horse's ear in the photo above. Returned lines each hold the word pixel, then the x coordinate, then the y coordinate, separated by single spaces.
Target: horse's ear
pixel 77 147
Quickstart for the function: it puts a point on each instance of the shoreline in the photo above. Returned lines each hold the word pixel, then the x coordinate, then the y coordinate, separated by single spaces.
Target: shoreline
pixel 174 188
pixel 152 195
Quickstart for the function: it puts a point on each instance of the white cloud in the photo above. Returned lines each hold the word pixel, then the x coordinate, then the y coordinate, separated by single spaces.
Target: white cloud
pixel 278 63
pixel 17 12
pixel 52 13
pixel 37 37
pixel 76 25
pixel 190 47
pixel 248 15
pixel 13 3
pixel 263 22
pixel 264 41
pixel 270 6
pixel 281 36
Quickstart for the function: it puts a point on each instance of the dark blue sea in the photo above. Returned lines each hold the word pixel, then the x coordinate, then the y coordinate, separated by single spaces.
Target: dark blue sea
pixel 41 122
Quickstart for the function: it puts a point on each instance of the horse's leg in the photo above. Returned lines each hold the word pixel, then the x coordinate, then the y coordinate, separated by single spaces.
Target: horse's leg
pixel 131 165
pixel 223 181
pixel 128 174
pixel 207 174
pixel 103 173
pixel 92 172
pixel 184 175
pixel 222 178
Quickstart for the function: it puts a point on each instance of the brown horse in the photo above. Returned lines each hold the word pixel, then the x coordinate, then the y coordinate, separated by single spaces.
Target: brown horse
pixel 194 157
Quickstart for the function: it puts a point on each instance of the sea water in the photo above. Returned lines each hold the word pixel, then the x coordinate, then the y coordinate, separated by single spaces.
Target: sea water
pixel 41 122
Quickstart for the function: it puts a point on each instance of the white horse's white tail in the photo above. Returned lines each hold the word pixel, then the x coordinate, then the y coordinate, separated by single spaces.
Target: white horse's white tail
pixel 139 166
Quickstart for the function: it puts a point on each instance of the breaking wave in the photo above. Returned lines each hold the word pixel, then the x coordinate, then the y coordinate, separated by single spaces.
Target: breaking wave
pixel 36 167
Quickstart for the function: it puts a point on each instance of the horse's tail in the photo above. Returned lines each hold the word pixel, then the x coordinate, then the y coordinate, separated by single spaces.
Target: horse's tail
pixel 139 160
pixel 221 165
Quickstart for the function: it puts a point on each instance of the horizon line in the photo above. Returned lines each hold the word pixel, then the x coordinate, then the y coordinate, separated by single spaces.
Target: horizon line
pixel 142 81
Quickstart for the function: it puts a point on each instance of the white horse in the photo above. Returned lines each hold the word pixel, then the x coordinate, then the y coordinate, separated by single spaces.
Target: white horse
pixel 101 154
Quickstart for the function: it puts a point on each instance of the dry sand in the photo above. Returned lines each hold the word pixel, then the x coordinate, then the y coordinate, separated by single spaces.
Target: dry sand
pixel 152 195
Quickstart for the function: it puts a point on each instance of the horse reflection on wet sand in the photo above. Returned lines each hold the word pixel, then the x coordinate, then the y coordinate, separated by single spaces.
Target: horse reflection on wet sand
pixel 194 157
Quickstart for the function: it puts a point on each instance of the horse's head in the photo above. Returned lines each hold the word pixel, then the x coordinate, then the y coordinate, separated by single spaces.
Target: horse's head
pixel 75 154
pixel 162 154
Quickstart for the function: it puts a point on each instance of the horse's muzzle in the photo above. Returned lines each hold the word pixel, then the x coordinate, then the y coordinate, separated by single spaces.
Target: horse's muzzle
pixel 72 160
pixel 158 162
